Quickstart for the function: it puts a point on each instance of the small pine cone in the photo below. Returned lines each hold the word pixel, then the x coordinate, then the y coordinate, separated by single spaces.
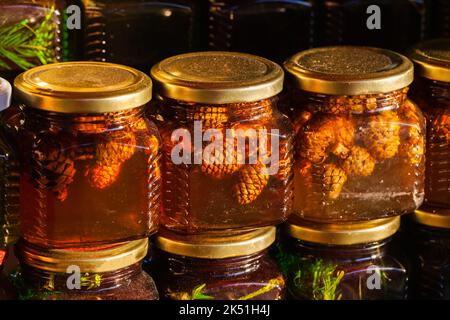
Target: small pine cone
pixel 441 125
pixel 333 180
pixel 382 135
pixel 324 136
pixel 210 116
pixel 412 145
pixel 251 182
pixel 219 167
pixel 359 162
pixel 102 176
pixel 117 148
pixel 55 171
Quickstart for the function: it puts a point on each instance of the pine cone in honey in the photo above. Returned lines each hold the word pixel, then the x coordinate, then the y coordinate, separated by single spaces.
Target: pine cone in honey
pixel 252 180
pixel 412 145
pixel 442 126
pixel 333 180
pixel 53 170
pixel 102 176
pixel 359 162
pixel 224 165
pixel 328 134
pixel 381 136
pixel 210 116
pixel 109 157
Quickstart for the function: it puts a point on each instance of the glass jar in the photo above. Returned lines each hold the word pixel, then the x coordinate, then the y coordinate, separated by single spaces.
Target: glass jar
pixel 432 92
pixel 360 142
pixel 273 29
pixel 226 147
pixel 9 180
pixel 88 154
pixel 199 267
pixel 440 22
pixel 104 273
pixel 401 23
pixel 354 261
pixel 428 236
pixel 139 33
pixel 33 33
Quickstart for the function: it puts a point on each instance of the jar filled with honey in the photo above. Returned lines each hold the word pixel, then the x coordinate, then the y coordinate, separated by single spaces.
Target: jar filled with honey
pixel 9 179
pixel 359 140
pixel 89 156
pixel 227 150
pixel 354 261
pixel 199 267
pixel 428 236
pixel 103 273
pixel 431 91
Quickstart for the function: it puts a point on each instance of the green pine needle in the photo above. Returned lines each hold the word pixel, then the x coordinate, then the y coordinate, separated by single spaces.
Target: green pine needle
pixel 23 47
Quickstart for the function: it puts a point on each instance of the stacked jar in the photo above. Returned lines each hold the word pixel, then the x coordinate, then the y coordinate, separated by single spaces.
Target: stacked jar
pixel 359 143
pixel 431 91
pixel 227 155
pixel 89 180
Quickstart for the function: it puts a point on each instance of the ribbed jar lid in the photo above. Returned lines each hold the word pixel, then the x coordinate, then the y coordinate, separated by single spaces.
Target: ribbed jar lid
pixel 212 246
pixel 103 259
pixel 344 234
pixel 217 77
pixel 349 70
pixel 83 87
pixel 432 59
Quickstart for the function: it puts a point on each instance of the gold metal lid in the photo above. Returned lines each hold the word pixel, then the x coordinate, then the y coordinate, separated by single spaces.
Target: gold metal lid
pixel 344 234
pixel 438 218
pixel 101 260
pixel 432 59
pixel 217 77
pixel 349 70
pixel 83 87
pixel 216 247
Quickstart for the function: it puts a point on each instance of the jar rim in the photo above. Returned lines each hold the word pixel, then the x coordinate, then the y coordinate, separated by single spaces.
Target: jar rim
pixel 432 59
pixel 83 87
pixel 5 94
pixel 349 70
pixel 212 246
pixel 217 77
pixel 92 259
pixel 436 217
pixel 344 234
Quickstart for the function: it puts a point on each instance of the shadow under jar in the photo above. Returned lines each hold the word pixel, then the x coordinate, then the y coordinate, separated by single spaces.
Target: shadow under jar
pixel 199 267
pixel 9 179
pixel 103 273
pixel 353 261
pixel 428 237
pixel 227 150
pixel 431 91
pixel 359 140
pixel 89 156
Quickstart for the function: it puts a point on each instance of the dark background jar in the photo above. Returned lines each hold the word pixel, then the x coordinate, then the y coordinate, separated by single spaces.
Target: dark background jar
pixel 403 23
pixel 271 29
pixel 41 35
pixel 429 251
pixel 319 271
pixel 139 33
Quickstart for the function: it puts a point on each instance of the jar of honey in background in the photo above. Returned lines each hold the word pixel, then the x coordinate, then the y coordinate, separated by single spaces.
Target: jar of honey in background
pixel 360 141
pixel 227 149
pixel 90 158
pixel 431 90
pixel 199 267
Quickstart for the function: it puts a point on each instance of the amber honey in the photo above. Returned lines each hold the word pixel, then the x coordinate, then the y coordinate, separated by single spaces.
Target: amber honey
pixel 88 177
